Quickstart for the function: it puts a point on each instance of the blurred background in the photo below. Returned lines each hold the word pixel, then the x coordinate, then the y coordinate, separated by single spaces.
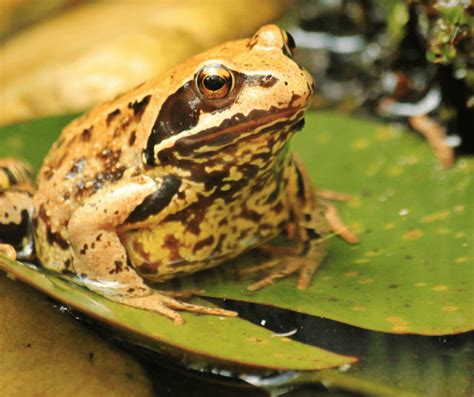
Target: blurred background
pixel 393 59
pixel 406 62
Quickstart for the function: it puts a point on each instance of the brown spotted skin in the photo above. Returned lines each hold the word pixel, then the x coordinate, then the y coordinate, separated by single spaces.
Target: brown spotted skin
pixel 176 176
pixel 16 208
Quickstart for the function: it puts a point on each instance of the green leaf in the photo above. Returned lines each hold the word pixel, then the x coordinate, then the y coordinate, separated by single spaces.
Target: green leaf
pixel 413 270
pixel 227 342
pixel 31 140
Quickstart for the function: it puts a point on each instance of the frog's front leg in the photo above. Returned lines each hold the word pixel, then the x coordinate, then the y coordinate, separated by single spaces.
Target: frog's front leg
pixel 100 257
pixel 308 227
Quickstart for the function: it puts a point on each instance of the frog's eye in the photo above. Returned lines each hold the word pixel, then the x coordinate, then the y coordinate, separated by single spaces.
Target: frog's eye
pixel 215 82
pixel 290 44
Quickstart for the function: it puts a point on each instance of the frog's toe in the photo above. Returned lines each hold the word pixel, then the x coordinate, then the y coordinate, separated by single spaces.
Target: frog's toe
pixel 337 225
pixel 279 268
pixel 309 265
pixel 258 269
pixel 168 306
pixel 154 302
pixel 184 294
pixel 170 313
pixel 178 305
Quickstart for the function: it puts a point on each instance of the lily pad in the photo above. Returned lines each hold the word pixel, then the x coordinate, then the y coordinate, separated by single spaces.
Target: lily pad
pixel 32 140
pixel 399 187
pixel 413 270
pixel 390 364
pixel 227 342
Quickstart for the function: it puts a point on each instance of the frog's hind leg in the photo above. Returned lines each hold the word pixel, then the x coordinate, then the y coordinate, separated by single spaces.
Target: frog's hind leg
pixel 308 228
pixel 16 209
pixel 100 258
pixel 13 173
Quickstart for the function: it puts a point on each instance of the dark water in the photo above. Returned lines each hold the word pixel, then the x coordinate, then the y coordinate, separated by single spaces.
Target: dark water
pixel 426 365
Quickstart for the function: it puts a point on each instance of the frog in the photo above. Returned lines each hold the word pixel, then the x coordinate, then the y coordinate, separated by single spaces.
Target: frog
pixel 180 174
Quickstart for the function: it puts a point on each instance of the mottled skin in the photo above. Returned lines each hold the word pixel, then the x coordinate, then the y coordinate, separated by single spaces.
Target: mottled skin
pixel 16 208
pixel 169 179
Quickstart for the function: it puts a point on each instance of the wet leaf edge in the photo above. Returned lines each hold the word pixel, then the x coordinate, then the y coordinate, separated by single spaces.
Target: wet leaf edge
pixel 19 271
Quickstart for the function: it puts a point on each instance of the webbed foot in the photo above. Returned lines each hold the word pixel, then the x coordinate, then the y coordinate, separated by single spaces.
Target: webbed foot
pixel 169 307
pixel 291 262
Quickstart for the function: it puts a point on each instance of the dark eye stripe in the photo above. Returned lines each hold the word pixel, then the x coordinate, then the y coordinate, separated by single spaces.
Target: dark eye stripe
pixel 231 129
pixel 181 110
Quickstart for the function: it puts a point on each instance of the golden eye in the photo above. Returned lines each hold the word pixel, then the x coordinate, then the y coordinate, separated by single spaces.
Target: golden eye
pixel 214 82
pixel 290 45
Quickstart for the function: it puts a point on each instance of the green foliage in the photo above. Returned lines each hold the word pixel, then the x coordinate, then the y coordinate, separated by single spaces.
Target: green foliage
pixel 396 13
pixel 226 342
pixel 450 33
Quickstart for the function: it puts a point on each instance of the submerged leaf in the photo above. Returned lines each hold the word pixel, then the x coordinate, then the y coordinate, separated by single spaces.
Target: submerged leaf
pixel 227 342
pixel 46 353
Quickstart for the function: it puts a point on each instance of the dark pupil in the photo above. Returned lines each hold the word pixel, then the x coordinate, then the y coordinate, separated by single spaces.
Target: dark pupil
pixel 214 82
pixel 291 41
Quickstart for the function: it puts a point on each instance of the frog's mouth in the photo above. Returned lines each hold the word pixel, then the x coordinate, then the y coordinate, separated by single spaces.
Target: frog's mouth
pixel 241 128
pixel 288 123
